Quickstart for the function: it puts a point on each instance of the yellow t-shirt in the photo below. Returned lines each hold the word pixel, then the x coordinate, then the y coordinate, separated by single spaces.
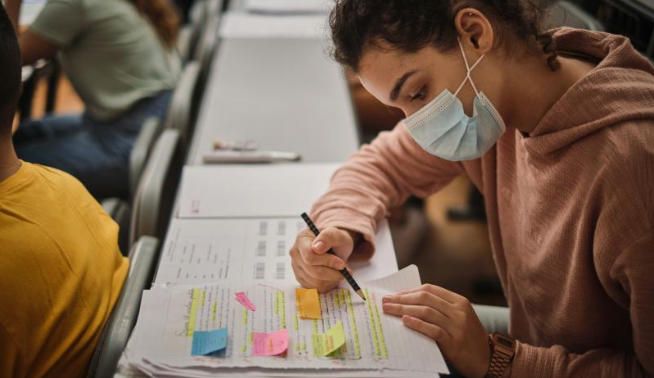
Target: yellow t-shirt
pixel 61 273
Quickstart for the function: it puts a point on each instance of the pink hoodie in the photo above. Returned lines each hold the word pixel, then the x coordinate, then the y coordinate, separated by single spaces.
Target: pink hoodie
pixel 570 213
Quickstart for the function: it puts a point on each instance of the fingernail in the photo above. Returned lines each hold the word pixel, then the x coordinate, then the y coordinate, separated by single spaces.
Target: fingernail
pixel 319 245
pixel 386 298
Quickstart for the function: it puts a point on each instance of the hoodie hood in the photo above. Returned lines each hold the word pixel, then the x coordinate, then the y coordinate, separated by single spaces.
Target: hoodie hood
pixel 619 89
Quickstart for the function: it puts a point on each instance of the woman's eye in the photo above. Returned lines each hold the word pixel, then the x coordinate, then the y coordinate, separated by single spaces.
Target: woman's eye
pixel 420 95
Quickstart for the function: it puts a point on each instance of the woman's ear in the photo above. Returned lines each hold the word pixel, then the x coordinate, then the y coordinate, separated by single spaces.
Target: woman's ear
pixel 475 30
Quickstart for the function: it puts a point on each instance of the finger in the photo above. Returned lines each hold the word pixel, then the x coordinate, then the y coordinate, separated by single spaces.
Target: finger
pixel 436 290
pixel 311 258
pixel 320 273
pixel 432 331
pixel 422 298
pixel 304 239
pixel 308 280
pixel 314 271
pixel 330 237
pixel 300 275
pixel 426 313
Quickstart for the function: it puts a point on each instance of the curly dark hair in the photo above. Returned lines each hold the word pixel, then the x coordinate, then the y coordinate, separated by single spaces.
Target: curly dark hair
pixel 10 71
pixel 410 25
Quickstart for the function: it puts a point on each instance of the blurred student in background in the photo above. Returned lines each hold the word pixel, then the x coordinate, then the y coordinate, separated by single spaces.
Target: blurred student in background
pixel 119 56
pixel 61 272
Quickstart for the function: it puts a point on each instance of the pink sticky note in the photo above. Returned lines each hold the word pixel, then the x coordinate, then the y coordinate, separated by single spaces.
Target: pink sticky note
pixel 270 344
pixel 243 299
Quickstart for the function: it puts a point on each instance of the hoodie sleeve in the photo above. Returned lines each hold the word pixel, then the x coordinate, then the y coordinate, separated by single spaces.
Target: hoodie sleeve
pixel 635 268
pixel 377 178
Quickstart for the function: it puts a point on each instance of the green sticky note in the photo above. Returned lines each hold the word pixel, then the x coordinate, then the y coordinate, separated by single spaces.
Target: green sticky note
pixel 324 344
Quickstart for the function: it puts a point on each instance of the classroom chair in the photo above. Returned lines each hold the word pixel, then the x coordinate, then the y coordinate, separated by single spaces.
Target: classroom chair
pixel 201 13
pixel 116 332
pixel 202 10
pixel 184 42
pixel 43 70
pixel 119 209
pixel 183 104
pixel 207 46
pixel 154 197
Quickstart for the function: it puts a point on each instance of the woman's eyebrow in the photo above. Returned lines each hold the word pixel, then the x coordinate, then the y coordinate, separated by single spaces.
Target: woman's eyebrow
pixel 395 92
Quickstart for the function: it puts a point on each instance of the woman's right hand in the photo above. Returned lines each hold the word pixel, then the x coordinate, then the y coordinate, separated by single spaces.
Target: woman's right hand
pixel 312 265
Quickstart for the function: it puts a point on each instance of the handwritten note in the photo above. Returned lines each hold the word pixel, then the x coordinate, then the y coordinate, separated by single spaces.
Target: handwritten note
pixel 308 303
pixel 243 299
pixel 270 344
pixel 329 342
pixel 209 342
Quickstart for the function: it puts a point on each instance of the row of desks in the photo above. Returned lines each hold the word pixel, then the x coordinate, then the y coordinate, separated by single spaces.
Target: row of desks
pixel 285 94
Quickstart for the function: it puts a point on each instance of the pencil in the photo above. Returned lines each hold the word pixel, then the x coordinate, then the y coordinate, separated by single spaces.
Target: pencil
pixel 344 272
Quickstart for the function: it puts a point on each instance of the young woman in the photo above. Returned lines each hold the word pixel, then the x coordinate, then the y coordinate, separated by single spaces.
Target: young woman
pixel 556 130
pixel 118 54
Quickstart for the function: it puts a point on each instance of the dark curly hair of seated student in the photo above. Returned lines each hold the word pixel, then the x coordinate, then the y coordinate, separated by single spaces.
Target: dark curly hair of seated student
pixel 410 25
pixel 10 73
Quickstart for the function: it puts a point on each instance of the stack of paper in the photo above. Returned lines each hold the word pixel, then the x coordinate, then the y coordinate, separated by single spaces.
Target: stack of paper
pixel 225 301
pixel 207 331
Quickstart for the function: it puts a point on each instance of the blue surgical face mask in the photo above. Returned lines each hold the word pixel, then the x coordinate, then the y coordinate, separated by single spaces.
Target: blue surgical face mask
pixel 443 129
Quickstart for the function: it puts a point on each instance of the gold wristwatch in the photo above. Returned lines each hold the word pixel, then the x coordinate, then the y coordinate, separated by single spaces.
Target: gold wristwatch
pixel 502 351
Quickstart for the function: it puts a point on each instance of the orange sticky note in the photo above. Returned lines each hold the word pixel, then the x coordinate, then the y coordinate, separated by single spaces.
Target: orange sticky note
pixel 307 302
pixel 269 344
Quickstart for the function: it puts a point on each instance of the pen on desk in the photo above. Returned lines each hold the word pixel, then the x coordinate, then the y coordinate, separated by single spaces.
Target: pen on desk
pixel 344 272
pixel 252 157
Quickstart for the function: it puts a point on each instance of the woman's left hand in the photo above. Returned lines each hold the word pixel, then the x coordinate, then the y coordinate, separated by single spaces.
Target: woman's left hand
pixel 447 318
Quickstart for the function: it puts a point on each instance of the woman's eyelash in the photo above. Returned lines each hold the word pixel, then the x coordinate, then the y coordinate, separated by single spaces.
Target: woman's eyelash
pixel 420 95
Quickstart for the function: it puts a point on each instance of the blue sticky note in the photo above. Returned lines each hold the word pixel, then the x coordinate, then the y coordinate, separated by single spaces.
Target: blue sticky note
pixel 208 342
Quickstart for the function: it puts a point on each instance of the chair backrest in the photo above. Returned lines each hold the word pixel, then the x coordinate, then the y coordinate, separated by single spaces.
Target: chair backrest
pixel 181 110
pixel 149 132
pixel 119 326
pixel 207 46
pixel 565 13
pixel 154 197
pixel 203 9
pixel 185 42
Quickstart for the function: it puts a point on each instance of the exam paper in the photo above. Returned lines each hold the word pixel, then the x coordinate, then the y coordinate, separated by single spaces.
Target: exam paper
pixel 239 251
pixel 228 250
pixel 374 341
pixel 252 191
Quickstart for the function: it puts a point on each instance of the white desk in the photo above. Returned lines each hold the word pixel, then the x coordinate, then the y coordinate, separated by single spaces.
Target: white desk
pixel 285 94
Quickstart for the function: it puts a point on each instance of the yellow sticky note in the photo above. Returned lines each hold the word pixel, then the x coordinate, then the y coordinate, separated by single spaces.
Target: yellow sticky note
pixel 329 342
pixel 307 302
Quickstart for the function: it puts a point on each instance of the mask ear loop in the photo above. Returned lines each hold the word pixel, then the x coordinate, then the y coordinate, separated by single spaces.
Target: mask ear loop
pixel 468 70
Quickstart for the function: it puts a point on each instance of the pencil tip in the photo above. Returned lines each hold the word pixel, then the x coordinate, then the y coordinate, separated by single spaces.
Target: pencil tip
pixel 360 294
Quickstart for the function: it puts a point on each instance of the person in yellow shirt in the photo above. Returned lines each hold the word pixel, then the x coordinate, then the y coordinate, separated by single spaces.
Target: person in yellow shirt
pixel 61 270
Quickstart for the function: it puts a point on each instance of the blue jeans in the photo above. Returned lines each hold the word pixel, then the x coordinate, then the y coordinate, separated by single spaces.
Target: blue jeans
pixel 95 152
